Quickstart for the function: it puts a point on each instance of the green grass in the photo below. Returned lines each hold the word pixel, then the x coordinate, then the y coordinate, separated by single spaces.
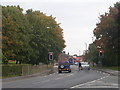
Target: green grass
pixel 11 62
pixel 8 62
pixel 0 61
pixel 113 68
pixel 9 76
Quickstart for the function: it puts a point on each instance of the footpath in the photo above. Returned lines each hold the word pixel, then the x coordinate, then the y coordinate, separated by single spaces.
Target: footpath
pixel 109 81
pixel 109 71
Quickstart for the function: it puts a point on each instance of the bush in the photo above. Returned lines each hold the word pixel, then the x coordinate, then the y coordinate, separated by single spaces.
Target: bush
pixel 4 59
pixel 11 70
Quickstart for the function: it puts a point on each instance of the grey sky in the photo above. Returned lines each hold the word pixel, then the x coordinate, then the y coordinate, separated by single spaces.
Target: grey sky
pixel 78 18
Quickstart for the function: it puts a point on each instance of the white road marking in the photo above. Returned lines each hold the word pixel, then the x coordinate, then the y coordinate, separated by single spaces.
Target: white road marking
pixel 59 78
pixel 47 75
pixel 41 82
pixel 53 79
pixel 89 82
pixel 45 81
pixel 63 76
pixel 104 73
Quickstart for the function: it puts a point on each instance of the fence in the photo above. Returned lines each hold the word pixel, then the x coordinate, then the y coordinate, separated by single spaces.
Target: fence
pixel 30 69
pixel 22 70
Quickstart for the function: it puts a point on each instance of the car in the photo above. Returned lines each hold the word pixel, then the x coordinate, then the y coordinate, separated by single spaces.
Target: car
pixel 85 65
pixel 76 63
pixel 71 61
pixel 64 66
pixel 55 64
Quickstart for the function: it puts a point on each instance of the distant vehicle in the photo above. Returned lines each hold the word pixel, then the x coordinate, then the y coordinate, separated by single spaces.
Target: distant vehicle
pixel 85 65
pixel 71 61
pixel 56 64
pixel 64 66
pixel 76 63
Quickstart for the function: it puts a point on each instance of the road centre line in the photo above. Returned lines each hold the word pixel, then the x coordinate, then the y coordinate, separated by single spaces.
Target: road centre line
pixel 103 73
pixel 47 75
pixel 63 77
pixel 53 79
pixel 41 82
pixel 90 82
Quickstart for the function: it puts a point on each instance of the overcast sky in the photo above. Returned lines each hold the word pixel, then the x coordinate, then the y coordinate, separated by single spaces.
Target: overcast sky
pixel 78 18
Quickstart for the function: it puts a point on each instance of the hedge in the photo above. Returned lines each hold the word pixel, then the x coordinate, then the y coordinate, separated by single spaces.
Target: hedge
pixel 11 70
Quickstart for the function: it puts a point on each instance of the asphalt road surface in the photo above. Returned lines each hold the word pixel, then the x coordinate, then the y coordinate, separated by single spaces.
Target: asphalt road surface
pixel 75 79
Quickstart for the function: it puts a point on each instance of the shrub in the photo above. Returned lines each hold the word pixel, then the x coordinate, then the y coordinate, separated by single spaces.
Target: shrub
pixel 11 70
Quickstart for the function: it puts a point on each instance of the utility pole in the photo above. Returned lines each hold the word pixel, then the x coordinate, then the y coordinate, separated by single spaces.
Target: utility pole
pixel 86 46
pixel 79 52
pixel 86 52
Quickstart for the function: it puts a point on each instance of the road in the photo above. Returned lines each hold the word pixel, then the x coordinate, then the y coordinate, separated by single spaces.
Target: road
pixel 75 79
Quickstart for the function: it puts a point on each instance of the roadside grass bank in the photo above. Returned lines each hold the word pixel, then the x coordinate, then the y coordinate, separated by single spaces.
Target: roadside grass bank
pixel 117 68
pixel 113 68
pixel 15 70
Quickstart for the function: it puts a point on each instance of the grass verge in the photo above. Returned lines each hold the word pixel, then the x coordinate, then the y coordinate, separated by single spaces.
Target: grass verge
pixel 112 68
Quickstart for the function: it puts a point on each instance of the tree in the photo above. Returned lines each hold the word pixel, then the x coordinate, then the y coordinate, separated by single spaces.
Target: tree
pixel 15 34
pixel 46 35
pixel 28 38
pixel 93 53
pixel 106 32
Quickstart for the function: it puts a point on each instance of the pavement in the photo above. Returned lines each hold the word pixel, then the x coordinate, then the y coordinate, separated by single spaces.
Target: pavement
pixel 109 71
pixel 104 82
pixel 111 80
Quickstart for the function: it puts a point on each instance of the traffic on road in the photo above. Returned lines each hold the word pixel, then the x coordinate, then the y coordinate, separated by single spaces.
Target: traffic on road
pixel 67 76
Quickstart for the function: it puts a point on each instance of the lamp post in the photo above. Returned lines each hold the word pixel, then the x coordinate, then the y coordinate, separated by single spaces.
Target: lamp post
pixel 79 52
pixel 85 51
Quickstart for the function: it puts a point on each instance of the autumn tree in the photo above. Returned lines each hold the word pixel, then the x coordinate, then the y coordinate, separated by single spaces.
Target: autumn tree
pixel 107 34
pixel 15 30
pixel 28 38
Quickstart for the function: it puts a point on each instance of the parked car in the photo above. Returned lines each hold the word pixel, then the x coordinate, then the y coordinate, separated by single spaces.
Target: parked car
pixel 64 66
pixel 85 65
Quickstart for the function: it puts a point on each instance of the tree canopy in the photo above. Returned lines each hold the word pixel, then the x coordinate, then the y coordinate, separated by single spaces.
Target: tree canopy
pixel 107 35
pixel 27 38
